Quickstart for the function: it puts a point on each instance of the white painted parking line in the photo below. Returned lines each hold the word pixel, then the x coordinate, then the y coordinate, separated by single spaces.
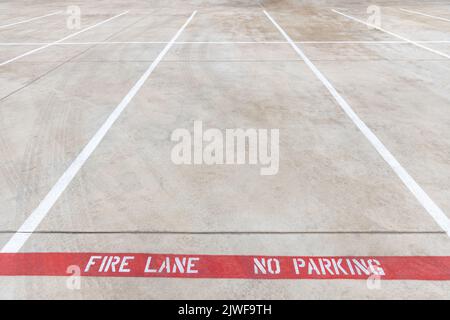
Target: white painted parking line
pixel 221 42
pixel 32 222
pixel 60 40
pixel 371 42
pixel 417 44
pixel 426 15
pixel 430 206
pixel 89 43
pixel 29 20
pixel 141 42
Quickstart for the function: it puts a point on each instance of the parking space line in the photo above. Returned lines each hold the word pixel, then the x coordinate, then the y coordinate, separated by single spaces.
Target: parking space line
pixel 29 20
pixel 417 44
pixel 61 40
pixel 221 42
pixel 426 15
pixel 143 42
pixel 430 206
pixel 34 219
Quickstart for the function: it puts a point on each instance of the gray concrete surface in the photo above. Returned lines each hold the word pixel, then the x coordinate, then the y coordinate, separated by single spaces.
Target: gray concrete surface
pixel 230 68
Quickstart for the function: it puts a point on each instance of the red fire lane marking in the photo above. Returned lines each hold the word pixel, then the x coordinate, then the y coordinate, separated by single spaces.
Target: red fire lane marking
pixel 225 266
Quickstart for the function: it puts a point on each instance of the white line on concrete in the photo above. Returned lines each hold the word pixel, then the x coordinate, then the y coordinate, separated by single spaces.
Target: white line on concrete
pixel 220 42
pixel 231 42
pixel 60 40
pixel 80 43
pixel 29 20
pixel 32 222
pixel 417 44
pixel 426 15
pixel 371 42
pixel 432 208
pixel 141 42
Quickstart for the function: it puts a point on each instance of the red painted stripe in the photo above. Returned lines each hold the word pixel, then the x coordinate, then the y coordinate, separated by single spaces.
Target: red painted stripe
pixel 225 266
